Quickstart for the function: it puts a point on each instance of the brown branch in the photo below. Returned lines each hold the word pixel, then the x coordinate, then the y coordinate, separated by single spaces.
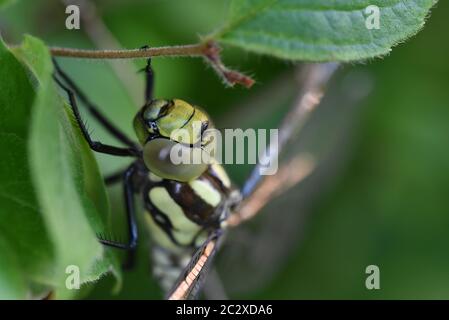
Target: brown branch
pixel 101 36
pixel 313 79
pixel 230 77
pixel 208 50
pixel 272 186
pixel 193 50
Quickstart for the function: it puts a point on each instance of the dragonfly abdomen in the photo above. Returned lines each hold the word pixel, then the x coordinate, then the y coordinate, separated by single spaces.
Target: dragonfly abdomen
pixel 181 215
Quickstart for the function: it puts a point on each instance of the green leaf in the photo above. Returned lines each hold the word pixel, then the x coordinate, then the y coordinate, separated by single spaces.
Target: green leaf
pixel 51 176
pixel 321 30
pixel 60 159
pixel 12 282
pixel 21 225
pixel 4 3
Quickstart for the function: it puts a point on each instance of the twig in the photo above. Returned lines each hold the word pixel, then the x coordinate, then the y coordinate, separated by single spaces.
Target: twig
pixel 272 186
pixel 230 77
pixel 313 79
pixel 193 50
pixel 209 50
pixel 258 191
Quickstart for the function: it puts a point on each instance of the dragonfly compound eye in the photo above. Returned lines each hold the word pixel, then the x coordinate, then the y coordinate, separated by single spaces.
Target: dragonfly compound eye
pixel 172 160
pixel 164 118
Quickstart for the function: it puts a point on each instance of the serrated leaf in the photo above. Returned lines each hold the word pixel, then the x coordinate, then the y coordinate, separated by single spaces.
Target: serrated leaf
pixel 321 30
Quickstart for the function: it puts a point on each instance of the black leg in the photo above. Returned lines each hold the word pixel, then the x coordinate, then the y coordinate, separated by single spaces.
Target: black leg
pixel 95 145
pixel 149 77
pixel 130 260
pixel 130 214
pixel 93 109
pixel 114 177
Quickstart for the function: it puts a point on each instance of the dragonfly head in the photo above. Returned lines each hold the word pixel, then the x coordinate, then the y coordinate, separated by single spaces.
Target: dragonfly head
pixel 168 128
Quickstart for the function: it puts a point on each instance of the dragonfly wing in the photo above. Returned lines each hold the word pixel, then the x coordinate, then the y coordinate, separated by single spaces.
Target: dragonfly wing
pixel 254 253
pixel 194 275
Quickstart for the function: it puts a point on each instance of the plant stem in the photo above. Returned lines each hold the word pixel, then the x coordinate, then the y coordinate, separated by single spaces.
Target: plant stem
pixel 193 50
pixel 209 50
pixel 287 177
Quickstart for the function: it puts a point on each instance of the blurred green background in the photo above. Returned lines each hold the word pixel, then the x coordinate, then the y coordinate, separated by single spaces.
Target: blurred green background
pixel 379 196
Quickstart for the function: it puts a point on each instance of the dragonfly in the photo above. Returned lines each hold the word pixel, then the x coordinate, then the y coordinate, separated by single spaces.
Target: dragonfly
pixel 188 208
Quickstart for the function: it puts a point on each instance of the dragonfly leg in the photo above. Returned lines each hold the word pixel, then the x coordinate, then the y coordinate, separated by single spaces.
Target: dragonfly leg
pixel 91 107
pixel 149 78
pixel 130 214
pixel 95 145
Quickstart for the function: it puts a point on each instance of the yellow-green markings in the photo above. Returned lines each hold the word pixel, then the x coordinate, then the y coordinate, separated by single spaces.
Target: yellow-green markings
pixel 206 191
pixel 221 174
pixel 160 237
pixel 154 178
pixel 184 230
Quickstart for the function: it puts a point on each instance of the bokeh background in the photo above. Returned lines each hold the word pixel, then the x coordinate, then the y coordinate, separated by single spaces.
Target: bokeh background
pixel 380 194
